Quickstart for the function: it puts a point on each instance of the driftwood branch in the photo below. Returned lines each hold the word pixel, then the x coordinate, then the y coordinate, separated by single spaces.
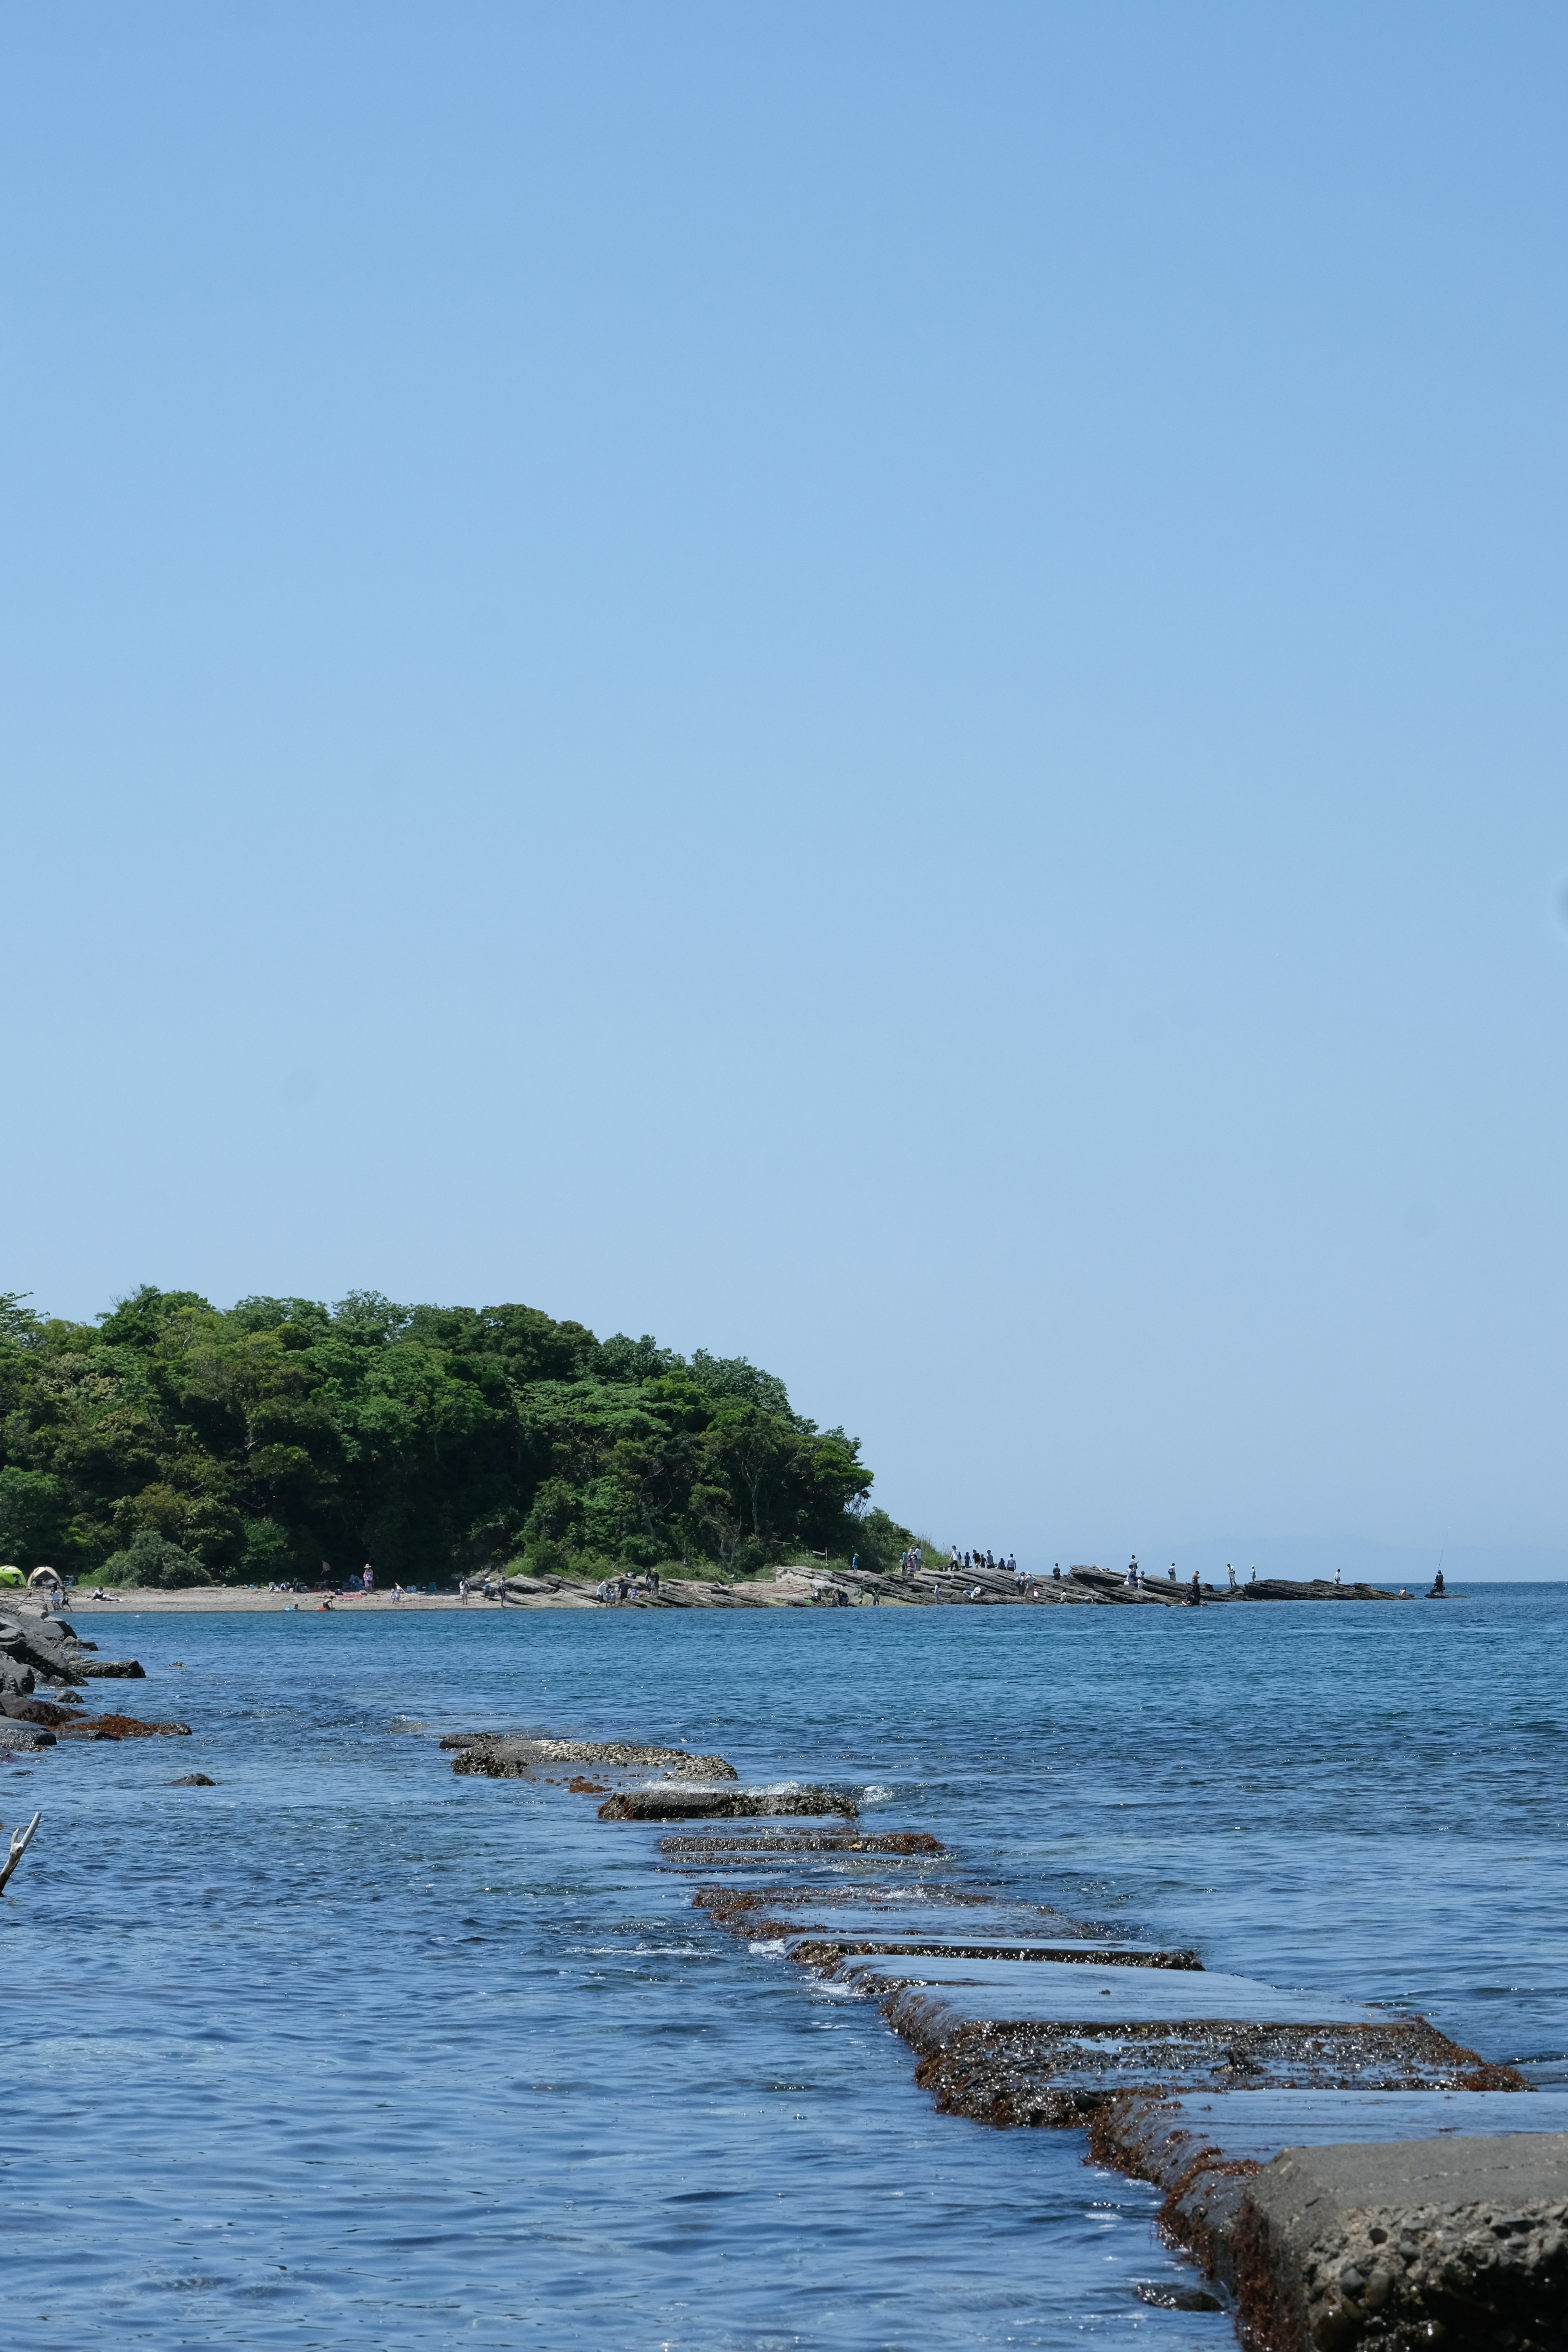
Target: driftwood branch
pixel 20 1841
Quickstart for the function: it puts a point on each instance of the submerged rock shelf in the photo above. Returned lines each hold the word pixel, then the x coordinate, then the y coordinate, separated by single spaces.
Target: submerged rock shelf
pixel 1343 2176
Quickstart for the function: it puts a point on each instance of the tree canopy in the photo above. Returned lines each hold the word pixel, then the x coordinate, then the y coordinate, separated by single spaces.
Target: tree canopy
pixel 266 1439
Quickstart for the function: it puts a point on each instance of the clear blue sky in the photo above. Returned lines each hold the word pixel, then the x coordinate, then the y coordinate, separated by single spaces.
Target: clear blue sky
pixel 880 685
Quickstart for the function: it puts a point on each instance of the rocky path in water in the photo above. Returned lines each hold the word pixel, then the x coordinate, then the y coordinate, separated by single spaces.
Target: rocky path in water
pixel 1342 2175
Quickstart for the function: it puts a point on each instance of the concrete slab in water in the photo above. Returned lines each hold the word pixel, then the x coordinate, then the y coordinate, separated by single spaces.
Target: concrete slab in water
pixel 1457 2241
pixel 918 1918
pixel 1162 2139
pixel 1042 2042
pixel 995 1991
pixel 1205 2148
pixel 836 1897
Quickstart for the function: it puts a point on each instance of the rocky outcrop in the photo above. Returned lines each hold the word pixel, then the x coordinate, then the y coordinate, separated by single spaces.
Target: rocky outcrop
pixel 1319 1588
pixel 50 1647
pixel 44 1645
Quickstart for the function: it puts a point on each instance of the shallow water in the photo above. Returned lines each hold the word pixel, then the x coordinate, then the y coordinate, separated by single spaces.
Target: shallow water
pixel 345 2052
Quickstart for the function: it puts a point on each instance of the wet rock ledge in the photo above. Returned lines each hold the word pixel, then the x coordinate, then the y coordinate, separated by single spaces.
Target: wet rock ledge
pixel 38 1651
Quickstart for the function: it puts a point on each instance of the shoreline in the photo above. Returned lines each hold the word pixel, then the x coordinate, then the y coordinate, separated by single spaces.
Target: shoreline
pixel 244 1600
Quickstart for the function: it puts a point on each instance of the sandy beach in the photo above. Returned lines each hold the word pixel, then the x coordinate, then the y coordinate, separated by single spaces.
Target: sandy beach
pixel 216 1599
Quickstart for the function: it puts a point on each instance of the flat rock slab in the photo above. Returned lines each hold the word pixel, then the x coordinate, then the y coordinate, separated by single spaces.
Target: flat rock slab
pixel 818 1947
pixel 996 1991
pixel 1458 2240
pixel 956 1928
pixel 1039 2041
pixel 677 1804
pixel 854 1848
pixel 1162 2139
pixel 851 1916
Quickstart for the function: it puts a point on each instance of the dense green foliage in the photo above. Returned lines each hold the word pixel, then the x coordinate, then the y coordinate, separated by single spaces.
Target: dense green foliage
pixel 282 1434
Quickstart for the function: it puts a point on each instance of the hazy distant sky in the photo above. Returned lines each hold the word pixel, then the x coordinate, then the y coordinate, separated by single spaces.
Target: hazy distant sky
pixel 880 685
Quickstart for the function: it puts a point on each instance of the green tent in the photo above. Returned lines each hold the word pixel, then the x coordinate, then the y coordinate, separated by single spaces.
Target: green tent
pixel 12 1576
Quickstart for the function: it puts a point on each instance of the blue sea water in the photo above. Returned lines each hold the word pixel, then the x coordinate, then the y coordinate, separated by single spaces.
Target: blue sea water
pixel 348 2053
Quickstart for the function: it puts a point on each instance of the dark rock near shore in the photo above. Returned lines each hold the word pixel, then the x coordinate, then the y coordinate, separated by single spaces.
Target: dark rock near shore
pixel 30 1646
pixel 193 1780
pixel 18 1737
pixel 37 1711
pixel 673 1804
pixel 41 1644
pixel 1174 2294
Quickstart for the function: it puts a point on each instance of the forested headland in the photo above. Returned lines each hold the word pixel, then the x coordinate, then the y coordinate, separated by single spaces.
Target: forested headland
pixel 170 1441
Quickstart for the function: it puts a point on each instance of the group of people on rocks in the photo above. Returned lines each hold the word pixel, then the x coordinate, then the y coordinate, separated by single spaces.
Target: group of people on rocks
pixel 618 1588
pixel 965 1563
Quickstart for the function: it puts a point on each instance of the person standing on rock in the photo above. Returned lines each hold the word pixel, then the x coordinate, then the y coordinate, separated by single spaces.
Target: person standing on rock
pixel 1231 1573
pixel 1198 1594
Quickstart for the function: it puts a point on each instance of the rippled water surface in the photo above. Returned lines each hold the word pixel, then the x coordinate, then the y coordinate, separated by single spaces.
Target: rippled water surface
pixel 345 2052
